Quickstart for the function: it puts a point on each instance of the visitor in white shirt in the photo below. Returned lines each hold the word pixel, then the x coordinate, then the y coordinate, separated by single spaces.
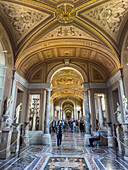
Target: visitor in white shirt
pixel 95 136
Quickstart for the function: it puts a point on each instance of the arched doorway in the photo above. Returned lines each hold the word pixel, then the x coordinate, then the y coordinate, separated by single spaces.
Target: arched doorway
pixel 67 93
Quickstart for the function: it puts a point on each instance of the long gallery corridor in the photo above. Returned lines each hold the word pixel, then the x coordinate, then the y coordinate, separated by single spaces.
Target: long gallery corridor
pixel 72 155
pixel 63 60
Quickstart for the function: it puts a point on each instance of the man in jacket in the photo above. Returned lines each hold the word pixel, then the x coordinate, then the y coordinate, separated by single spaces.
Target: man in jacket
pixel 59 132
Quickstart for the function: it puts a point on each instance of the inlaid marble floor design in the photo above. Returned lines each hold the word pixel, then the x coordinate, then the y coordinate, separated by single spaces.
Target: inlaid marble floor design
pixel 72 155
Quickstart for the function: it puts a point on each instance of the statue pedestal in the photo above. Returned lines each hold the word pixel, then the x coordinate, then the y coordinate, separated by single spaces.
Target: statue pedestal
pixel 125 129
pixel 46 139
pixel 111 140
pixel 26 136
pixel 5 143
pixel 86 139
pixel 119 133
pixel 15 137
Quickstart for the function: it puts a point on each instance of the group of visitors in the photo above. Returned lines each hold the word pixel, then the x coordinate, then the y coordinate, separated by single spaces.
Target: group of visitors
pixel 59 126
pixel 73 125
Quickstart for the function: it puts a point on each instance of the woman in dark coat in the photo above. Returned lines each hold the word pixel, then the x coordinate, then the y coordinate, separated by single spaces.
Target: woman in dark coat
pixel 59 132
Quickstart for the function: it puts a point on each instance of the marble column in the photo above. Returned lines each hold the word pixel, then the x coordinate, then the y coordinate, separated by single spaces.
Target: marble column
pixel 42 109
pixel 34 122
pixel 55 114
pixel 101 121
pixel 92 105
pixel 125 130
pixel 47 137
pixel 58 117
pixel 60 113
pixel 13 95
pixel 122 94
pixel 64 115
pixel 74 112
pixel 111 140
pixel 87 118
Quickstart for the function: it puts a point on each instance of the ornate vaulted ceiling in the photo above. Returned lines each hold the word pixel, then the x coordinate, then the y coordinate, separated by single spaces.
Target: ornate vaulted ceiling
pixel 67 82
pixel 43 32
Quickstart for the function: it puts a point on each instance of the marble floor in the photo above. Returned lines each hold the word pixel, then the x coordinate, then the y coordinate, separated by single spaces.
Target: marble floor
pixel 72 155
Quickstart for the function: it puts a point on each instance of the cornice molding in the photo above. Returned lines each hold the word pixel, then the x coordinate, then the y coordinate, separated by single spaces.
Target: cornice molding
pixel 20 80
pixel 114 79
pixel 46 86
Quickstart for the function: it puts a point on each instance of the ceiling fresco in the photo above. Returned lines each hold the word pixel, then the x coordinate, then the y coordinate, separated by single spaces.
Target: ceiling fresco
pixel 67 82
pixel 34 17
pixel 66 78
pixel 67 31
pixel 43 33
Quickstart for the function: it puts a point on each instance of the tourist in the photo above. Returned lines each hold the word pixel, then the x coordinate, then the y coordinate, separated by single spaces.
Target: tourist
pixel 95 136
pixel 59 132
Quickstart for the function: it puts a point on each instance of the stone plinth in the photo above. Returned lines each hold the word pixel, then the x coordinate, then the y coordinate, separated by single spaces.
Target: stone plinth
pixel 15 137
pixel 103 137
pixel 5 143
pixel 120 136
pixel 26 136
pixel 125 130
pixel 35 137
pixel 111 140
pixel 86 139
pixel 46 139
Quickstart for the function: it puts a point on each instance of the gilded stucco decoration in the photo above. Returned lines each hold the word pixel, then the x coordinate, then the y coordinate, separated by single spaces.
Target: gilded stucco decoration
pixel 56 1
pixel 105 62
pixel 97 76
pixel 67 78
pixel 68 82
pixel 22 19
pixel 68 92
pixel 65 13
pixel 37 76
pixel 109 16
pixel 26 66
pixel 67 31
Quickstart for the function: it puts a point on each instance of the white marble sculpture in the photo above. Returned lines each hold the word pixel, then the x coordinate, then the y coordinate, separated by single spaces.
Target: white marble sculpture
pixel 119 115
pixel 125 102
pixel 8 123
pixel 18 112
pixel 9 103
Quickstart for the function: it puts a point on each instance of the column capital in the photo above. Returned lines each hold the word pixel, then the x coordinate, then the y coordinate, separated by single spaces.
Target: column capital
pixel 48 89
pixel 86 86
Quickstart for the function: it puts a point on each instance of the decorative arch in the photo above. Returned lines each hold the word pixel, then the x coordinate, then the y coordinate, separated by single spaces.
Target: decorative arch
pixel 67 100
pixel 64 66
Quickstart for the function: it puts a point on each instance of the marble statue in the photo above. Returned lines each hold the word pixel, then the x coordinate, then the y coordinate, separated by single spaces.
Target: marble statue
pixel 119 115
pixel 17 112
pixel 9 103
pixel 8 123
pixel 125 102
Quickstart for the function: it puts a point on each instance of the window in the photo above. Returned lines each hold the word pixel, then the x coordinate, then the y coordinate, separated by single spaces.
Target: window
pixel 2 70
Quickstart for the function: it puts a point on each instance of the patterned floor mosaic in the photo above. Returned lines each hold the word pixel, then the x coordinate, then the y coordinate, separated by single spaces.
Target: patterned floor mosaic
pixel 66 163
pixel 72 155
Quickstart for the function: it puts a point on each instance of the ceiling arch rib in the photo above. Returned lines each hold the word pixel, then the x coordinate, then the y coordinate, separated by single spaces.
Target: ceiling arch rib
pixel 104 59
